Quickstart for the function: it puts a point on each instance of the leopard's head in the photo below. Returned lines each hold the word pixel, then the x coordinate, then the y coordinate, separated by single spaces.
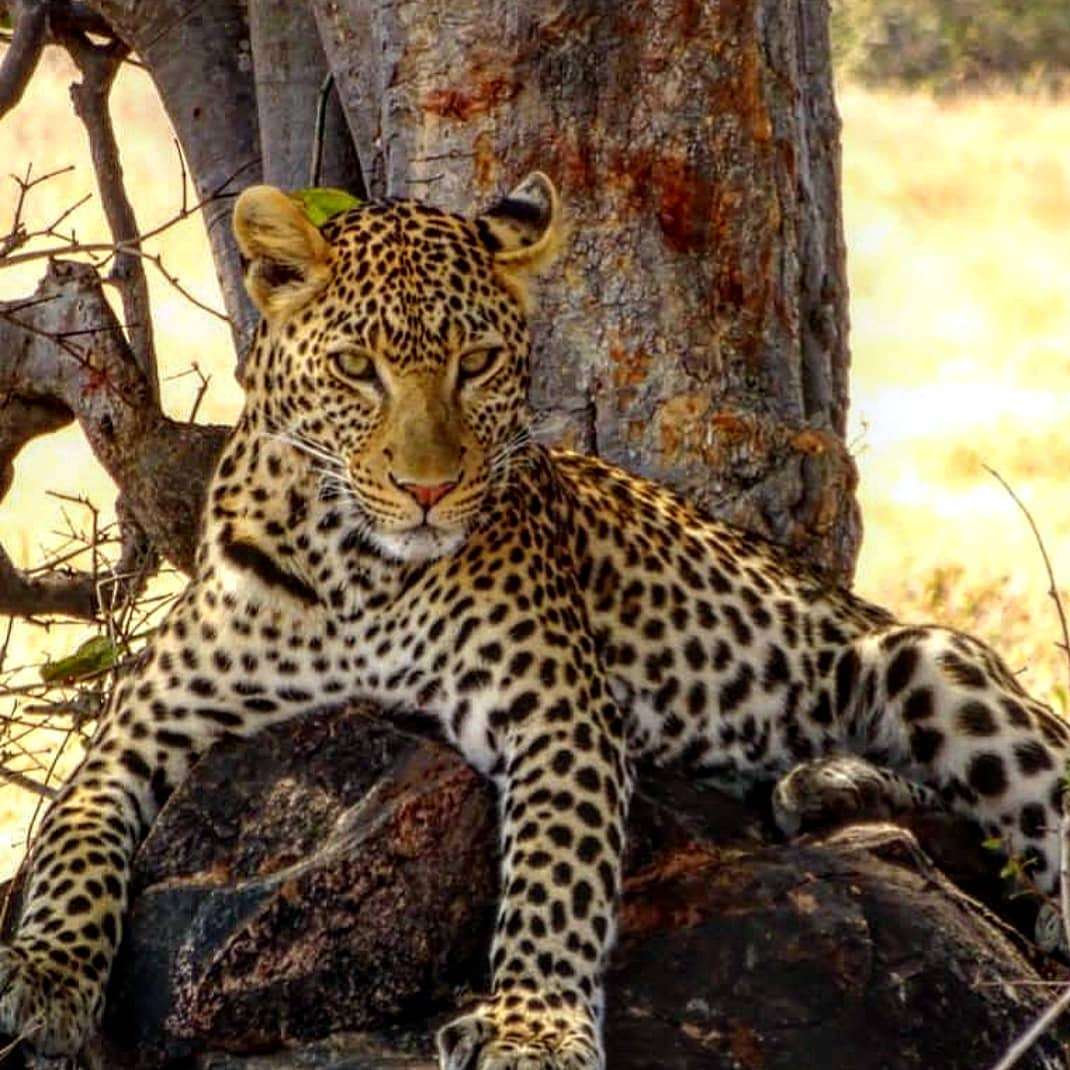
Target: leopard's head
pixel 394 351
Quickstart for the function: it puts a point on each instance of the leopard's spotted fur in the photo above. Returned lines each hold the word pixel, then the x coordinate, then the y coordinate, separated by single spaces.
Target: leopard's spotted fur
pixel 381 525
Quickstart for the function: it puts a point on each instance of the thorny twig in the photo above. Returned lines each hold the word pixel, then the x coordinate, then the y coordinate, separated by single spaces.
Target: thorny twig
pixel 79 700
pixel 202 388
pixel 101 252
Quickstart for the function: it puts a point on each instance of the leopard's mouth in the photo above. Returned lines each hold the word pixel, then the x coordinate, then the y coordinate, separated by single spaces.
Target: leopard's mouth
pixel 422 542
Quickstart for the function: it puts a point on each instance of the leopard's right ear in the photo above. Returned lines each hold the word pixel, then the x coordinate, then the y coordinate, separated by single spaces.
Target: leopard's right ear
pixel 288 258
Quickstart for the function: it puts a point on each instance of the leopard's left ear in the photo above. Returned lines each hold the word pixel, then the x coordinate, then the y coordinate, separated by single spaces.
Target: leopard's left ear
pixel 524 230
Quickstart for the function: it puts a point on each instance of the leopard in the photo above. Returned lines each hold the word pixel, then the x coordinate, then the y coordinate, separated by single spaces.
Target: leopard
pixel 385 523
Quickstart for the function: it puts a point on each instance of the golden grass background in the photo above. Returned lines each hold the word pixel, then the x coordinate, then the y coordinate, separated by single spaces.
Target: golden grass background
pixel 958 234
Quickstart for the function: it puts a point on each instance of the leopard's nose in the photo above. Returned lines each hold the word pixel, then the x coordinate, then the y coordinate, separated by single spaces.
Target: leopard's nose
pixel 427 494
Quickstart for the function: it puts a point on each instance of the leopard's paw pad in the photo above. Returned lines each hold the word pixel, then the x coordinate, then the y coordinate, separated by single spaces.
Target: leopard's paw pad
pixel 492 1038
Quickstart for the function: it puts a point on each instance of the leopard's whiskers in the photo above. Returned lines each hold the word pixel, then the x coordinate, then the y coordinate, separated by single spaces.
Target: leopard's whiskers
pixel 303 444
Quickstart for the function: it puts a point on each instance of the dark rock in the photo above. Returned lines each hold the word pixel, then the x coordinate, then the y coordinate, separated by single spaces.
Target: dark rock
pixel 845 954
pixel 343 1051
pixel 332 879
pixel 364 895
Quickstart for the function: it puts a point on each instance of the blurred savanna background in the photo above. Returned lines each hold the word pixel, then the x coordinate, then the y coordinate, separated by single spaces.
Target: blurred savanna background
pixel 956 191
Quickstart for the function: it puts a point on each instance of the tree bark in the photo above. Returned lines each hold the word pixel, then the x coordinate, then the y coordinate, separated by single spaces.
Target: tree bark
pixel 63 352
pixel 696 329
pixel 199 59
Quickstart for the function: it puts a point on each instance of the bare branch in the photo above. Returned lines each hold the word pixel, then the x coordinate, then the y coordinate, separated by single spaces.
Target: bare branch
pixel 202 389
pixel 121 249
pixel 132 246
pixel 199 58
pixel 21 780
pixel 160 465
pixel 56 593
pixel 20 60
pixel 22 420
pixel 82 595
pixel 18 235
pixel 39 23
pixel 315 168
pixel 99 64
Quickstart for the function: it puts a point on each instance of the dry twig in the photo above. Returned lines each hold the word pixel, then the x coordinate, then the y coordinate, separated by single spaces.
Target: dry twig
pixel 110 249
pixel 18 235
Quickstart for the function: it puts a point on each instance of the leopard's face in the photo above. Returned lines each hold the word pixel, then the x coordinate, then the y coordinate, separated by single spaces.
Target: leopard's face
pixel 395 353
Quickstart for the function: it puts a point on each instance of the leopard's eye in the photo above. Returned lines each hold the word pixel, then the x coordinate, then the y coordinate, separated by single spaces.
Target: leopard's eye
pixel 477 362
pixel 356 365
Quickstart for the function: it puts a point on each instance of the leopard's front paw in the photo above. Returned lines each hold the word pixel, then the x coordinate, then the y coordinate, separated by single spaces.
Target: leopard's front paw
pixel 511 1034
pixel 43 1002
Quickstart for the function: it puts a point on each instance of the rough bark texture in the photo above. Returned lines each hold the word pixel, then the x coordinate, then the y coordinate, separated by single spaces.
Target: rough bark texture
pixel 696 328
pixel 335 877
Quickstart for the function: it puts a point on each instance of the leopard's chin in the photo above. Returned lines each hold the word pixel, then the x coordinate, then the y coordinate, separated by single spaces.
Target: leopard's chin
pixel 419 544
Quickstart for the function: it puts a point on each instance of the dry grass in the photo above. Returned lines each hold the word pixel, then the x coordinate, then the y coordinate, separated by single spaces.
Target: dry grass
pixel 957 217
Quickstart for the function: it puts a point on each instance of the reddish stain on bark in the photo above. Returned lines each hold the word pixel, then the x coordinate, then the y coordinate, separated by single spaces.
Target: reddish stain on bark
pixel 96 380
pixel 683 199
pixel 568 158
pixel 485 163
pixel 681 424
pixel 688 18
pixel 482 95
pixel 814 442
pixel 746 1047
pixel 629 366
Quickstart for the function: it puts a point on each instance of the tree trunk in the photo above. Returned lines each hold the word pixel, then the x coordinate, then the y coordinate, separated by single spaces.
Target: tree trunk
pixel 290 71
pixel 696 329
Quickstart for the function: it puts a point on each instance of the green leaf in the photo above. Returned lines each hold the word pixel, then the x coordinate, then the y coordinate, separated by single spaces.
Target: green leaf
pixel 993 844
pixel 93 656
pixel 321 203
